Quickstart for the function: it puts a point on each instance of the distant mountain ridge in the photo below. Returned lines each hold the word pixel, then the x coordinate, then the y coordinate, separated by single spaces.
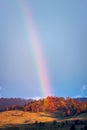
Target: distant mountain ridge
pixel 82 99
pixel 7 102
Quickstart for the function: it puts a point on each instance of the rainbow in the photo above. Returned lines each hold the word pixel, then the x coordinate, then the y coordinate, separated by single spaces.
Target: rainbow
pixel 43 74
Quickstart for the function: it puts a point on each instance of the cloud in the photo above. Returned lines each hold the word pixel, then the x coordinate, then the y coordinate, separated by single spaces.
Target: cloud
pixel 84 90
pixel 84 87
pixel 77 96
pixel 34 98
pixel 0 90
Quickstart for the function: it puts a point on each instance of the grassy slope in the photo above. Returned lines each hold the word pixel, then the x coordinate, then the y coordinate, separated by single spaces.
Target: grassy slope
pixel 20 117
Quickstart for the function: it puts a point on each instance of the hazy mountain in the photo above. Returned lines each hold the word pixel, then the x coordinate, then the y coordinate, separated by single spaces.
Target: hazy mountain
pixel 84 99
pixel 7 102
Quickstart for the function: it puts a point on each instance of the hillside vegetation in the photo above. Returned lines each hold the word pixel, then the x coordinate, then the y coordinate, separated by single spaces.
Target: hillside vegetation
pixel 57 113
pixel 68 106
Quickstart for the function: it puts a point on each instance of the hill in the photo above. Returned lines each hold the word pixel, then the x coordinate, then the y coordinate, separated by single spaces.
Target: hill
pixel 8 102
pixel 54 113
pixel 84 99
pixel 20 119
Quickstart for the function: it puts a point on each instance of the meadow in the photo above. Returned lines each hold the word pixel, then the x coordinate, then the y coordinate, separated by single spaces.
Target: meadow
pixel 19 120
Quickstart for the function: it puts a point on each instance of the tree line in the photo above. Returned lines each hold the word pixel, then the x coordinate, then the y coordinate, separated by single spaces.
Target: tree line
pixel 51 104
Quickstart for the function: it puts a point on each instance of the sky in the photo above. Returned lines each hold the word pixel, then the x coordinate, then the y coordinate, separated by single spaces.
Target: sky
pixel 62 31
